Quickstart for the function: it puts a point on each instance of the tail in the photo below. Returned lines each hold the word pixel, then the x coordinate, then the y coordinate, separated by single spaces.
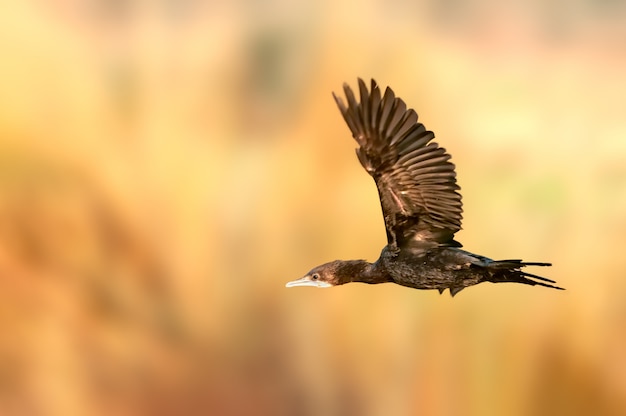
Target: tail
pixel 509 271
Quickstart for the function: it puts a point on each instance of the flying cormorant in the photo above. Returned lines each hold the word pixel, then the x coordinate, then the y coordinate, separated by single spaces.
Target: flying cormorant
pixel 420 202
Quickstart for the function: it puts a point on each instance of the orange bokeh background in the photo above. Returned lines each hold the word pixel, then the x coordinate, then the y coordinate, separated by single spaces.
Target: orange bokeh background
pixel 165 168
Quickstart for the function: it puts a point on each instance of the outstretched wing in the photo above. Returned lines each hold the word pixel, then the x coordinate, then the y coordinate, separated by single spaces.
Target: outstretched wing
pixel 415 179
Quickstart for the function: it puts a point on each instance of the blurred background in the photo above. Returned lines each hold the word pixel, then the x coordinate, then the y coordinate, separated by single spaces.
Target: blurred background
pixel 167 166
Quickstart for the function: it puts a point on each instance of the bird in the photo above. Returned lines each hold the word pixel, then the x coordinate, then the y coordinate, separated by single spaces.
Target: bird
pixel 421 206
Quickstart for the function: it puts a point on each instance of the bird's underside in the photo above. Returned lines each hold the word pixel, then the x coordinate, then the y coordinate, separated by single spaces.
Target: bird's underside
pixel 420 202
pixel 452 268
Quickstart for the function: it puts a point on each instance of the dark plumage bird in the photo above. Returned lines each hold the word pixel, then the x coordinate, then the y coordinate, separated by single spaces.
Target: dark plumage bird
pixel 421 205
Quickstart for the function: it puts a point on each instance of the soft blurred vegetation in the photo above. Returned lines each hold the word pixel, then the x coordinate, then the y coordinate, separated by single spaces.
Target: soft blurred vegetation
pixel 166 166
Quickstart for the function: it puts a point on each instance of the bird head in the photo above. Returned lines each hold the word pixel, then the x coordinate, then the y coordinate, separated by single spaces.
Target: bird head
pixel 321 276
pixel 336 273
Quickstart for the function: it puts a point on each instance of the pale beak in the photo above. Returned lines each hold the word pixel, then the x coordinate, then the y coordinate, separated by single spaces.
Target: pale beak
pixel 306 281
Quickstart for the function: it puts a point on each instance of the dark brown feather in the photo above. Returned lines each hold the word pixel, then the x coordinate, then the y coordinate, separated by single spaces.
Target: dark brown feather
pixel 415 179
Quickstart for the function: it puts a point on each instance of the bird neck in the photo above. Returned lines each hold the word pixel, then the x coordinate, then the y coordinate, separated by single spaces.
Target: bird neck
pixel 360 271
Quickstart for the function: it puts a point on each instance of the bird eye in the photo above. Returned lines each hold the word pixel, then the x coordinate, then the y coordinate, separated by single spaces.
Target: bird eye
pixel 315 276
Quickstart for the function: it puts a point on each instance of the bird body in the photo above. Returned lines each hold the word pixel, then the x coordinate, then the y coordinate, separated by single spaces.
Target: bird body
pixel 421 206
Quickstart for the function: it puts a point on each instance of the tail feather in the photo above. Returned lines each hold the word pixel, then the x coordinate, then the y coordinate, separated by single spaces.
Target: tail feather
pixel 514 264
pixel 534 276
pixel 509 271
pixel 525 279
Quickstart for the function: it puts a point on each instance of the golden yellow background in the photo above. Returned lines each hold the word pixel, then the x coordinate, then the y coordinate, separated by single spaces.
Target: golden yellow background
pixel 165 168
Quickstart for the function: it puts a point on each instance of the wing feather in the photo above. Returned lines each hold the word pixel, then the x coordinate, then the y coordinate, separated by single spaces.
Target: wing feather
pixel 415 179
pixel 366 108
